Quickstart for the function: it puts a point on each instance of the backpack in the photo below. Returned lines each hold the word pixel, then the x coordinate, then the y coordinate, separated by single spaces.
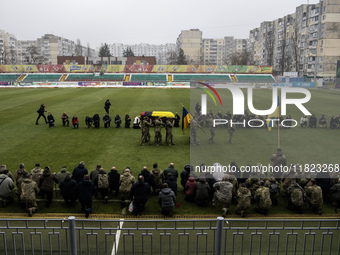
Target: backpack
pixel 273 188
pixel 103 181
pixel 27 192
pixel 297 197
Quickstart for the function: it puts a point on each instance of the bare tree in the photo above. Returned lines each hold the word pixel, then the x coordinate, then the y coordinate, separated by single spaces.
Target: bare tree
pixel 2 54
pixel 240 58
pixel 171 58
pixel 33 56
pixel 78 51
pixel 295 45
pixel 88 50
pixel 12 56
pixel 269 44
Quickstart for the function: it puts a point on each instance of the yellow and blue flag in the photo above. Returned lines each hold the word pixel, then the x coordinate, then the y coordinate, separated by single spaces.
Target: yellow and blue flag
pixel 186 118
pixel 274 115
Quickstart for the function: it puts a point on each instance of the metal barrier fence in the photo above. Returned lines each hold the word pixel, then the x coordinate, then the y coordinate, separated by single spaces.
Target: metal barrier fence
pixel 220 236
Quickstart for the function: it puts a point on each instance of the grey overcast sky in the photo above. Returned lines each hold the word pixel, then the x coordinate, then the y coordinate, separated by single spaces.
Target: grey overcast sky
pixel 142 21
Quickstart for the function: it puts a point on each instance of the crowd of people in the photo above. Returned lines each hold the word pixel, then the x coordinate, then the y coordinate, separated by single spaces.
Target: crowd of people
pixel 220 189
pixel 138 123
pixel 250 120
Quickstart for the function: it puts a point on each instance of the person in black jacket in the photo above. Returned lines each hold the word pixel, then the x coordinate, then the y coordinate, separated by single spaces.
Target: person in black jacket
pixel 107 105
pixel 139 194
pixel 166 200
pixel 96 120
pixel 46 184
pixel 67 188
pixel 85 190
pixel 172 183
pixel 50 119
pixel 114 180
pixel 41 112
pixel 127 121
pixel 177 119
pixel 79 172
pixel 185 175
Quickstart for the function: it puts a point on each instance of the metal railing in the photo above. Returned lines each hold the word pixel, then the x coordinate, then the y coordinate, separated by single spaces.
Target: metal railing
pixel 219 236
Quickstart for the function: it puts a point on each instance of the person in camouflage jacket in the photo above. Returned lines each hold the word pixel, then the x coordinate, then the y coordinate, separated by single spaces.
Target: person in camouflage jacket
pixel 243 200
pixel 125 184
pixel 36 172
pixel 262 199
pixel 29 193
pixel 314 196
pixel 223 194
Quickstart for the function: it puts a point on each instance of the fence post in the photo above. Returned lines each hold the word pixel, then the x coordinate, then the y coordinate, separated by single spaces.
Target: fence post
pixel 219 235
pixel 72 234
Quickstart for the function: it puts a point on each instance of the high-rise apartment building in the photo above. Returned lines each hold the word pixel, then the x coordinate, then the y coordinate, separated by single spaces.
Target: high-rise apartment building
pixel 213 51
pixel 190 41
pixel 307 41
pixel 7 48
pixel 51 46
pixel 159 51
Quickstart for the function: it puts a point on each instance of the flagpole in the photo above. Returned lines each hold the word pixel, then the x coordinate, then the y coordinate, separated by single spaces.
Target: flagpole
pixel 278 134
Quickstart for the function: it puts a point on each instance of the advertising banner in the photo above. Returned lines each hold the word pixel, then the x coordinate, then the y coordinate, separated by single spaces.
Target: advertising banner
pixel 180 84
pixel 337 80
pixel 50 68
pixel 138 68
pixel 89 83
pixel 304 84
pixel 44 83
pixel 112 68
pixel 79 68
pixel 5 83
pixel 134 83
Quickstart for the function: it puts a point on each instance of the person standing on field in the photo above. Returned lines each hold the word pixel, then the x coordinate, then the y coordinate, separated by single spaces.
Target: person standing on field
pixel 41 113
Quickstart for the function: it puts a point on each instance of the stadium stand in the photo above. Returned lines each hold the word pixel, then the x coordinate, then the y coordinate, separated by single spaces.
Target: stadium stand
pixel 201 77
pixel 42 78
pixel 255 78
pixel 149 77
pixel 91 77
pixel 9 77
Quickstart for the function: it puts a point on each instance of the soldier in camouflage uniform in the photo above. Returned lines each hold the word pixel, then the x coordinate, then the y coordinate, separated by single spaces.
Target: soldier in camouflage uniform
pixel 274 189
pixel 231 134
pixel 29 193
pixel 243 200
pixel 145 131
pixel 168 137
pixel 193 132
pixel 234 182
pixel 252 183
pixel 278 159
pixel 37 172
pixel 223 194
pixel 335 195
pixel 314 196
pixel 295 197
pixel 211 128
pixel 158 134
pixel 125 184
pixel 262 199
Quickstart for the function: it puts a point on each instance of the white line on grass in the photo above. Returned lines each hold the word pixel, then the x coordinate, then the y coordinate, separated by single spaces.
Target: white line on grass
pixel 116 243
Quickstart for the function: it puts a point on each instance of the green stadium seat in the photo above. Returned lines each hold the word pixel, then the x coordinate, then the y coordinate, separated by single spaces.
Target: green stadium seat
pixel 9 77
pixel 42 78
pixel 201 77
pixel 91 77
pixel 149 77
pixel 254 78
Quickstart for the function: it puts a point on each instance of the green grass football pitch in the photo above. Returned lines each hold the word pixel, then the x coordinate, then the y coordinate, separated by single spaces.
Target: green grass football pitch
pixel 24 142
